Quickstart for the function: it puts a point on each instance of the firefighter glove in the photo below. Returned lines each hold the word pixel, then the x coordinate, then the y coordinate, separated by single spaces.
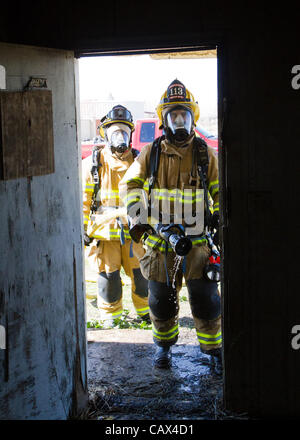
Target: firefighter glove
pixel 137 229
pixel 87 240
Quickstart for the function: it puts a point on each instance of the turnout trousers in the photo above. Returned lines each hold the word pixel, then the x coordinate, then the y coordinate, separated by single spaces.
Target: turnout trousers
pixel 204 296
pixel 110 256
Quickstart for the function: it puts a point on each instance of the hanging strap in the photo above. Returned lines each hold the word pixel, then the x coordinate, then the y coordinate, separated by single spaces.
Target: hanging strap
pixel 154 162
pixel 202 154
pixel 122 234
pixel 131 249
pixel 135 152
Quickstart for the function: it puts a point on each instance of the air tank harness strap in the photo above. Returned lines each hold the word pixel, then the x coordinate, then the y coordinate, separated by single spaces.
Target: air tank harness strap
pixel 95 175
pixel 131 249
pixel 202 160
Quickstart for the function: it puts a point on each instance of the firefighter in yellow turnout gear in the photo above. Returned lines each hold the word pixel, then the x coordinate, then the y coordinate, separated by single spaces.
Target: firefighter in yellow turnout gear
pixel 105 225
pixel 176 172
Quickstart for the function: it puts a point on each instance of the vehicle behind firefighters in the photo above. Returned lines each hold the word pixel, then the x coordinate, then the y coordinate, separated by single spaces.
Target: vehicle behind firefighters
pixel 146 130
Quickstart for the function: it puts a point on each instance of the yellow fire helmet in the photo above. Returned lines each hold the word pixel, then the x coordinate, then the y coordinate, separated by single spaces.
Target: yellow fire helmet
pixel 118 114
pixel 177 94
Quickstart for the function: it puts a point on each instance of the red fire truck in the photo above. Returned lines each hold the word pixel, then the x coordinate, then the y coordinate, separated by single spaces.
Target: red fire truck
pixel 146 130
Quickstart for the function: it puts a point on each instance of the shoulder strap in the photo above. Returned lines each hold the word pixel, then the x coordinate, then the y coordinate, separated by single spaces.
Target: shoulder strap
pixel 96 163
pixel 202 166
pixel 202 154
pixel 135 152
pixel 154 161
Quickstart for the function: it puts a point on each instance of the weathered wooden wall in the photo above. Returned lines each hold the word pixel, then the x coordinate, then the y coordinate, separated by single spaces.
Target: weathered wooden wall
pixel 43 368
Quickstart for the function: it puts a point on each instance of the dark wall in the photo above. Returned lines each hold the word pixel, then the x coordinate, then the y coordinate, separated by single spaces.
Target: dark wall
pixel 257 48
pixel 129 25
pixel 261 275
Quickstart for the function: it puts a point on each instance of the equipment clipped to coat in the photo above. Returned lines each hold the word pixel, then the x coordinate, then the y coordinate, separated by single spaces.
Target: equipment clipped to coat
pixel 211 271
pixel 95 175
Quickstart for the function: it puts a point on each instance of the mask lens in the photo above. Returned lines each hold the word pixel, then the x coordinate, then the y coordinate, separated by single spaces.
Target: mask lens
pixel 119 138
pixel 179 119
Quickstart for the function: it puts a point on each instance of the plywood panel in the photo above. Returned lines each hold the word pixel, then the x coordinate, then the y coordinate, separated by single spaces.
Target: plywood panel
pixel 26 142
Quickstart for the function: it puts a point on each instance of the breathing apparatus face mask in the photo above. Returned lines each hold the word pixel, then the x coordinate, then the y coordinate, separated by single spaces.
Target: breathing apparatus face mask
pixel 118 137
pixel 179 121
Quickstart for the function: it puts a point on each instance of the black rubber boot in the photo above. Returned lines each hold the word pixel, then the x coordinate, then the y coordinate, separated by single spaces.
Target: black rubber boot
pixel 213 358
pixel 145 318
pixel 216 360
pixel 162 357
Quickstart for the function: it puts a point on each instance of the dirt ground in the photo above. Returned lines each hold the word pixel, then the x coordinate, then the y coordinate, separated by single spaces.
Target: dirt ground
pixel 124 385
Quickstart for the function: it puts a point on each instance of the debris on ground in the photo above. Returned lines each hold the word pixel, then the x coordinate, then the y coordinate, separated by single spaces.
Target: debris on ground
pixel 124 385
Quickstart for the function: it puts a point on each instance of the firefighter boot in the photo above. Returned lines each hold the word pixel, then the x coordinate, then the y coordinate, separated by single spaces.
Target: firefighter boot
pixel 145 318
pixel 162 357
pixel 216 361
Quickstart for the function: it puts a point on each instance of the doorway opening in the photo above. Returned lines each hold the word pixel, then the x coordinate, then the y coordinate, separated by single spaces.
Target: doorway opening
pixel 122 382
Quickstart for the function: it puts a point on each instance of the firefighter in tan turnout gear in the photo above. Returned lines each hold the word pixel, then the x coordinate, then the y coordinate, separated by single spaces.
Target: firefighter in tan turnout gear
pixel 181 169
pixel 105 225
